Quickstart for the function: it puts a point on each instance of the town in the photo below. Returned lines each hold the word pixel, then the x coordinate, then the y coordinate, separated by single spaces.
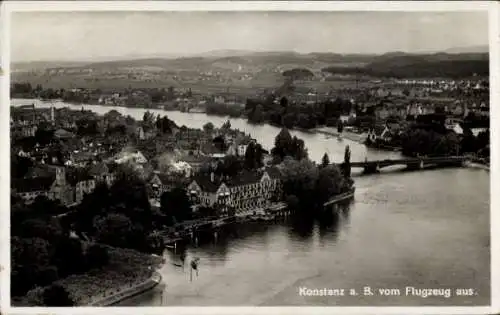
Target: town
pixel 77 166
pixel 201 167
pixel 72 165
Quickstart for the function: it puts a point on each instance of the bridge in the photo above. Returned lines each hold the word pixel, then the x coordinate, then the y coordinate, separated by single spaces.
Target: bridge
pixel 417 163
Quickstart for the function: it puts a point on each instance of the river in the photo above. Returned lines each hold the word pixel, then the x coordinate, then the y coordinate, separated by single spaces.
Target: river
pixel 425 229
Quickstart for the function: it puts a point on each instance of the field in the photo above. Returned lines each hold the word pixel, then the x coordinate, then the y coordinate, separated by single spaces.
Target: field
pixel 252 74
pixel 253 86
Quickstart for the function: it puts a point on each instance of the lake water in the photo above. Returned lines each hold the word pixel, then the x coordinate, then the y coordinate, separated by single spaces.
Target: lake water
pixel 426 229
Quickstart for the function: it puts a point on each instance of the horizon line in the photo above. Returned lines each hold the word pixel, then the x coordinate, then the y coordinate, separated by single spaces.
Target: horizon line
pixel 205 54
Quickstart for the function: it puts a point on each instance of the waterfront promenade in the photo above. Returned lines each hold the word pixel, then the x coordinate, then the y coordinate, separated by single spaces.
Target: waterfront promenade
pixel 117 295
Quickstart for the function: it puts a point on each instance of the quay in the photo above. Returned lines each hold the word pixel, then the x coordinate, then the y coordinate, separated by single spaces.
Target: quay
pixel 127 292
pixel 277 210
pixel 349 135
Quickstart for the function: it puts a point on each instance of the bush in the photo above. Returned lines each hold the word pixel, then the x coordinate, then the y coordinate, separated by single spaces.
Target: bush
pixel 57 295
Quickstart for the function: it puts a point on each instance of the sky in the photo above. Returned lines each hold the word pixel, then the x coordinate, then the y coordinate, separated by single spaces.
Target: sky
pixel 37 36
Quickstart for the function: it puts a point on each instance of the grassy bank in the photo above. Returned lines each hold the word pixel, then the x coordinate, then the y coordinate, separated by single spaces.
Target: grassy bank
pixel 126 268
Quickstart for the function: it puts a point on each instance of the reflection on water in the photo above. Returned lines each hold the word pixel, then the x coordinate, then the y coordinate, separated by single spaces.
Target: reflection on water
pixel 423 229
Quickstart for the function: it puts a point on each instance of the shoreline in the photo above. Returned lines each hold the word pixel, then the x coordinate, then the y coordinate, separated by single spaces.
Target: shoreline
pixel 146 285
pixel 329 131
pixel 478 166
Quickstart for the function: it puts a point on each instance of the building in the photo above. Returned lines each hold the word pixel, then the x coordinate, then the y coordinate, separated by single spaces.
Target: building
pixel 135 157
pixel 101 173
pixel 53 185
pixel 160 183
pixel 454 125
pixel 384 133
pixel 83 183
pixel 245 193
pixel 23 131
pixel 145 133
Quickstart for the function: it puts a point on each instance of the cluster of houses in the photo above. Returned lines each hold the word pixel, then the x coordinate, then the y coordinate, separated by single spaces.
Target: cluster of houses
pixel 444 85
pixel 73 166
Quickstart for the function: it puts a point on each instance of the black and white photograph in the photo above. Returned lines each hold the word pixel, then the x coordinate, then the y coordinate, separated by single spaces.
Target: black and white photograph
pixel 249 157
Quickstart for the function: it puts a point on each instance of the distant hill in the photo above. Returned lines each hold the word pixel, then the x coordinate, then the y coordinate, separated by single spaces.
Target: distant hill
pixel 402 65
pixel 471 49
pixel 394 64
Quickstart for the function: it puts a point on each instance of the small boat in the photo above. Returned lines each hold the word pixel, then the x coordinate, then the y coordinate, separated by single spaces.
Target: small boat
pixel 177 265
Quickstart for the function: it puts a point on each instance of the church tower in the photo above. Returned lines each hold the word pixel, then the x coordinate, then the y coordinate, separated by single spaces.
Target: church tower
pixel 60 176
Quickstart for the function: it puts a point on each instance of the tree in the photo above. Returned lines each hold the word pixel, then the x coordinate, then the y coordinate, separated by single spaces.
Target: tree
pixel 330 183
pixel 281 143
pixel 19 166
pixel 250 156
pixel 340 126
pixel 258 155
pixel 175 205
pixel 35 296
pixel 129 196
pixel 226 125
pixel 57 295
pixel 285 145
pixel 220 143
pixel 47 275
pixel 325 161
pixel 68 256
pixel 284 102
pixel 257 115
pixel 208 127
pixel 292 202
pixel 346 166
pixel 97 256
pixel 230 166
pixel 299 179
pixel 298 149
pixel 148 118
pixel 113 229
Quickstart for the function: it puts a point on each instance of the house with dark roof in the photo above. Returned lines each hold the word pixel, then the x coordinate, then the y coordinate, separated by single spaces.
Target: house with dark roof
pixel 102 173
pixel 243 194
pixel 52 184
pixel 82 183
pixel 30 188
pixel 63 134
pixel 161 182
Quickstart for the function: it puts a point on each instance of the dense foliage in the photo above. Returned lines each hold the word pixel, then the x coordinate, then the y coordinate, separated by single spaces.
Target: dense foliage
pixel 306 186
pixel 429 143
pixel 298 73
pixel 414 66
pixel 305 115
pixel 43 250
pixel 285 145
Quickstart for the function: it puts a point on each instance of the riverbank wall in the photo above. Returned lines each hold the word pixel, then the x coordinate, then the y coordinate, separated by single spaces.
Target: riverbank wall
pixel 127 292
pixel 478 165
pixel 330 131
